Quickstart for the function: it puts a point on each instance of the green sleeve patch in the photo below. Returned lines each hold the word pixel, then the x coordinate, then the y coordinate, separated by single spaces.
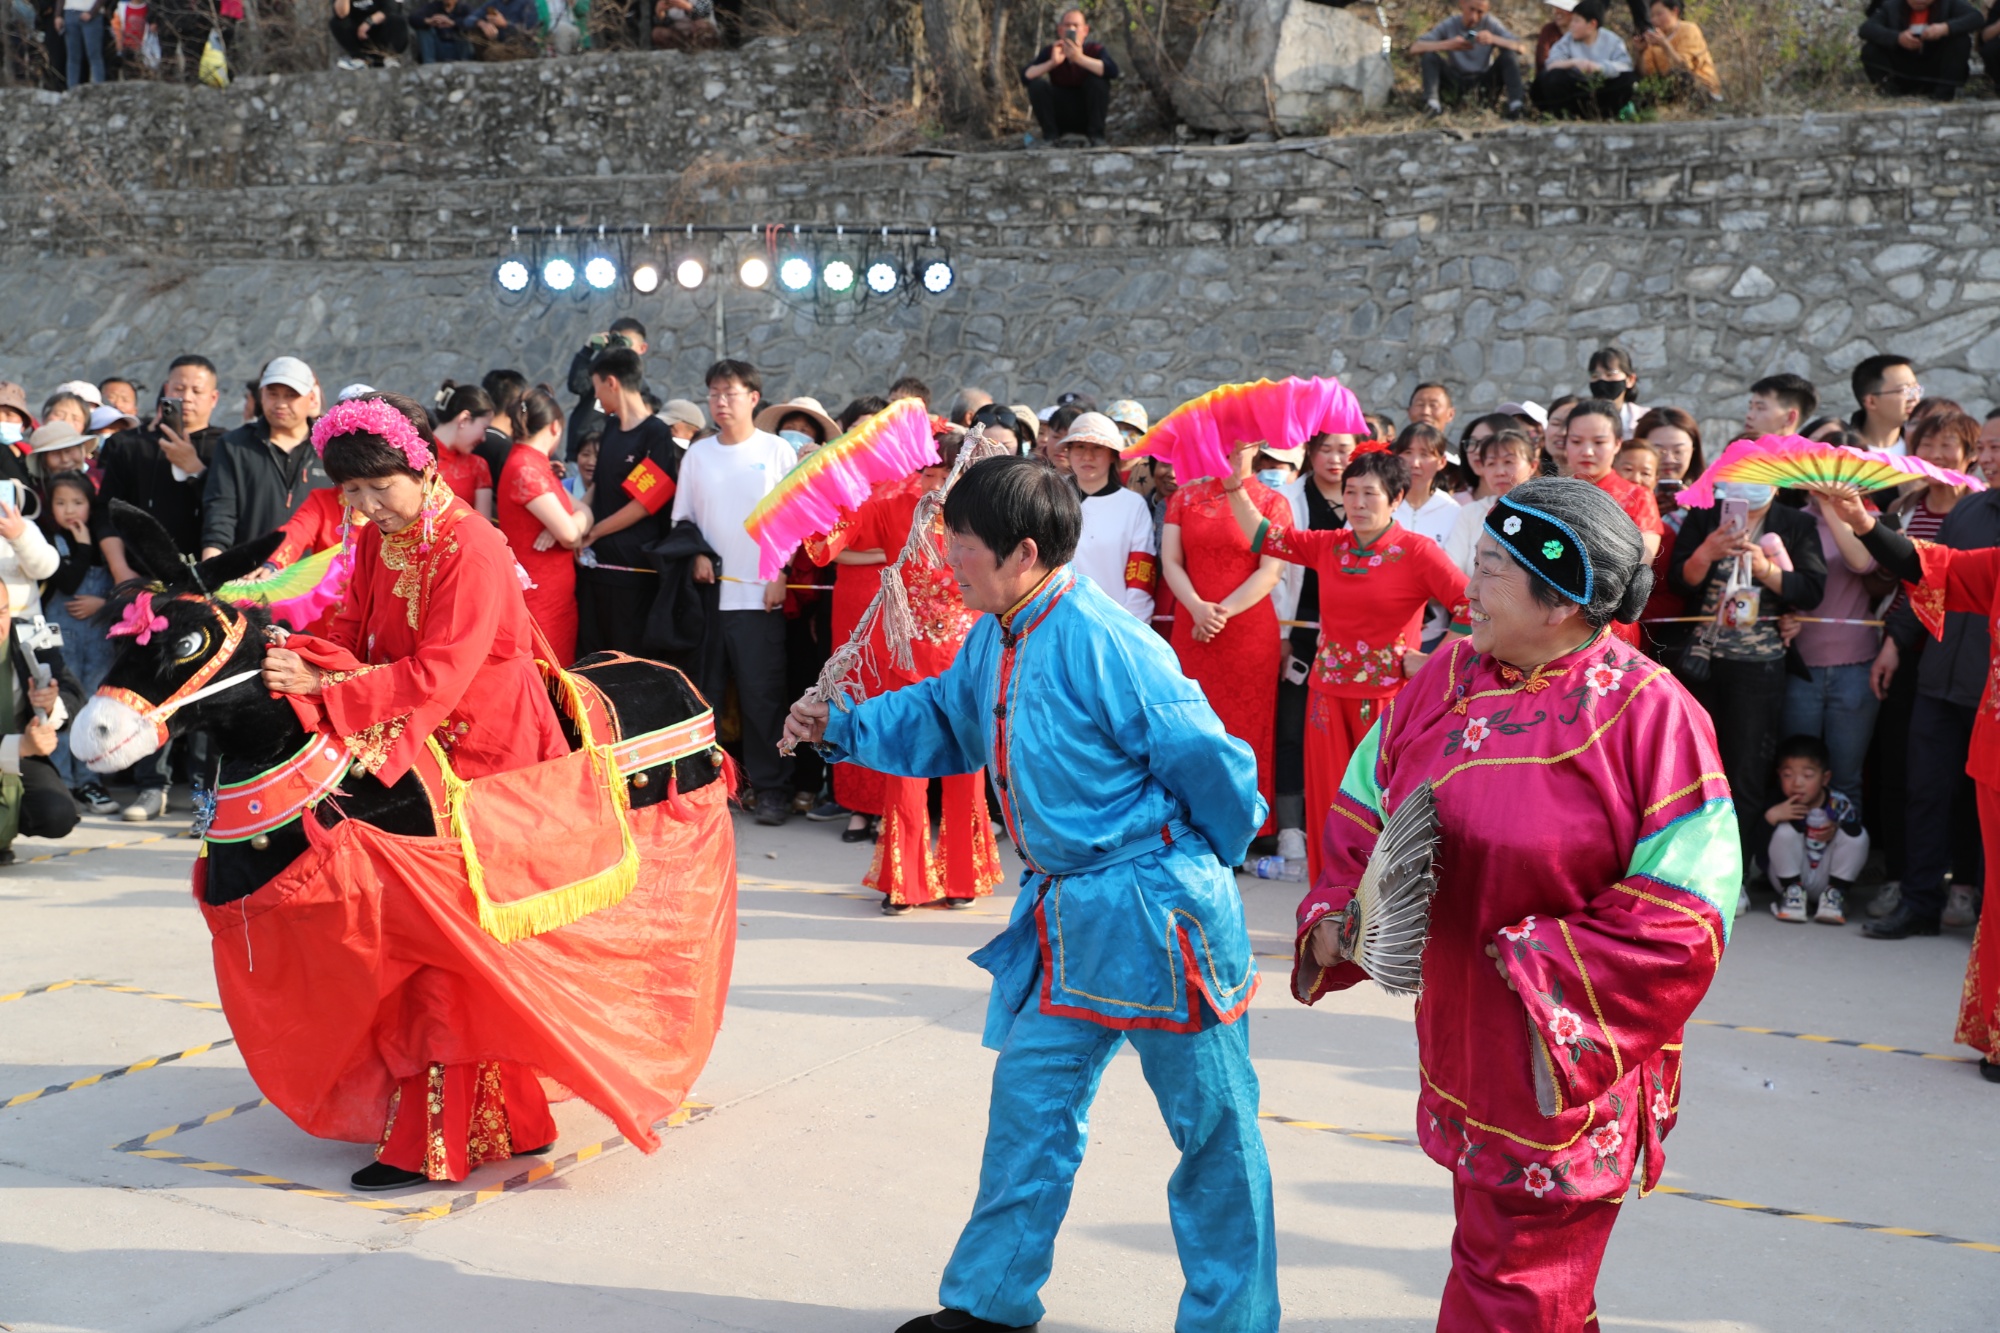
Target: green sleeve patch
pixel 1700 854
pixel 1358 783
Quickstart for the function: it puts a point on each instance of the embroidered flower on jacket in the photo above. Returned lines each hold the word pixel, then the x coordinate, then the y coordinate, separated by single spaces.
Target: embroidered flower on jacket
pixel 1662 1108
pixel 1565 1026
pixel 1606 1140
pixel 1511 525
pixel 1536 1178
pixel 1603 678
pixel 1476 732
pixel 1519 932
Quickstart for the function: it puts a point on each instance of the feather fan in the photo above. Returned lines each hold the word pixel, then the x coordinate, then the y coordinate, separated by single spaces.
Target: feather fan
pixel 1788 461
pixel 1386 926
pixel 835 480
pixel 1198 436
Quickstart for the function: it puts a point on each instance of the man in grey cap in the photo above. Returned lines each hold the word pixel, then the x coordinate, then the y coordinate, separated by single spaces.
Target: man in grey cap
pixel 262 472
pixel 684 418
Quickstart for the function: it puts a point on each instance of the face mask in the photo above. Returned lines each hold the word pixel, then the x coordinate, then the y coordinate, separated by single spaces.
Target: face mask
pixel 10 432
pixel 1612 390
pixel 1271 477
pixel 1753 493
pixel 798 439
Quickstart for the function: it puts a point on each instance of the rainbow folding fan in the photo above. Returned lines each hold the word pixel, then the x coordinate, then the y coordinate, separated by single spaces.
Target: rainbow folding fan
pixel 836 479
pixel 1198 437
pixel 298 593
pixel 1788 461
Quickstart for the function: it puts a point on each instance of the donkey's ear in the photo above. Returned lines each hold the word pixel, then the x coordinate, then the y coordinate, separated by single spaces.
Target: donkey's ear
pixel 149 548
pixel 237 561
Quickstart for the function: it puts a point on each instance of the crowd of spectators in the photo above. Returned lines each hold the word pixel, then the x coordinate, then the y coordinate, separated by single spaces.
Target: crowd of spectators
pixel 1842 727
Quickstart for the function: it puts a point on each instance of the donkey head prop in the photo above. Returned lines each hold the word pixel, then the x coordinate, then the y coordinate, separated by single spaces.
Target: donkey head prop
pixel 177 643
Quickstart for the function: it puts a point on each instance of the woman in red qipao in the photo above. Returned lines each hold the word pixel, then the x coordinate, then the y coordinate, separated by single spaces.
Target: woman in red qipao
pixel 431 640
pixel 1375 579
pixel 1226 630
pixel 1587 875
pixel 1942 579
pixel 541 521
pixel 911 869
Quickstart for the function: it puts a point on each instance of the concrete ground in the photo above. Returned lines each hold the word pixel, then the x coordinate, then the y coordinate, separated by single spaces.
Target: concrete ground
pixel 825 1185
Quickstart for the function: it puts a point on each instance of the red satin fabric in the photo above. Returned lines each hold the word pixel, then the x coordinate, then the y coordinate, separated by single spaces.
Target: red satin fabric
pixel 1519 1264
pixel 963 862
pixel 525 478
pixel 1979 1008
pixel 363 964
pixel 1334 730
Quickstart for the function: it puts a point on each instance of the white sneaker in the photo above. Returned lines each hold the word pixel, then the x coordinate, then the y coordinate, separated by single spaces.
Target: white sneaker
pixel 150 803
pixel 349 62
pixel 1960 909
pixel 1792 906
pixel 1832 909
pixel 1886 900
pixel 1292 844
pixel 1742 903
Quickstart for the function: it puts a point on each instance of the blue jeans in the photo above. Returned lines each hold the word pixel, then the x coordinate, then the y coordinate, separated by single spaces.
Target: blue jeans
pixel 1837 706
pixel 441 45
pixel 84 37
pixel 1218 1199
pixel 87 652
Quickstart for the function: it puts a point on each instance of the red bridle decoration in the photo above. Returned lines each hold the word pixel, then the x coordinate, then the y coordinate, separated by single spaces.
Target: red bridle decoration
pixel 157 714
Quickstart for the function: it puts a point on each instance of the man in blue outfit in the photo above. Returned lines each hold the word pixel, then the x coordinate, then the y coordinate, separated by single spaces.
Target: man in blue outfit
pixel 1128 803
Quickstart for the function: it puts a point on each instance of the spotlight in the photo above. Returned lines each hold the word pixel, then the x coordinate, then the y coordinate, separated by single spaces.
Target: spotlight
pixel 796 273
pixel 600 272
pixel 513 275
pixel 559 274
pixel 754 272
pixel 937 277
pixel 881 277
pixel 689 273
pixel 838 276
pixel 646 278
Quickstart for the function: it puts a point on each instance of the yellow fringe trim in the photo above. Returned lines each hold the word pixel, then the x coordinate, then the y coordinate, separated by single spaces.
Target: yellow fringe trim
pixel 553 908
pixel 570 700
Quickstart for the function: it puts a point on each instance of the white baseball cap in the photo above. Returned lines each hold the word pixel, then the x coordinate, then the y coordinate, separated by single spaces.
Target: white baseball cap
pixel 83 389
pixel 291 372
pixel 353 391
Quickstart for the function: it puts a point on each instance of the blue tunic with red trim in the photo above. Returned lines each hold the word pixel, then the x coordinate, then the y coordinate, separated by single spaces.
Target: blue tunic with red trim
pixel 1122 793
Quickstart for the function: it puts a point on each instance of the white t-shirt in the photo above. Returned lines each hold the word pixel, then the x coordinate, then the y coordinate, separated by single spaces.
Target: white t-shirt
pixel 1434 520
pixel 719 485
pixel 1463 543
pixel 1117 527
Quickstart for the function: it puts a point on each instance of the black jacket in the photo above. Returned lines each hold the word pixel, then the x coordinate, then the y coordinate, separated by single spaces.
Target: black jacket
pixel 136 472
pixel 1798 590
pixel 684 612
pixel 1955 667
pixel 1887 21
pixel 253 486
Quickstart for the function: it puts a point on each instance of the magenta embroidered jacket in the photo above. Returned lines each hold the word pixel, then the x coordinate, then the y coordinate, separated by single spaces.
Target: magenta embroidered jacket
pixel 1588 837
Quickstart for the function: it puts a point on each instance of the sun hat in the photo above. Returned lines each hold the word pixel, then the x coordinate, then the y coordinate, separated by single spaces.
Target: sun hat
pixel 56 435
pixel 769 417
pixel 1127 412
pixel 1095 428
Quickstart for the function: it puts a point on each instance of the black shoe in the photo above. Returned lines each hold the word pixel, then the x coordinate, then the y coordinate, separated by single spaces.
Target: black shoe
pixel 892 908
pixel 1900 925
pixel 957 1321
pixel 6 856
pixel 960 904
pixel 535 1152
pixel 773 808
pixel 827 811
pixel 866 833
pixel 382 1176
pixel 1989 1071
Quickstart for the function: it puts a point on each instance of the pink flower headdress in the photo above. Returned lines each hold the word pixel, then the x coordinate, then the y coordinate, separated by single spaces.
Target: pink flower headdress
pixel 374 417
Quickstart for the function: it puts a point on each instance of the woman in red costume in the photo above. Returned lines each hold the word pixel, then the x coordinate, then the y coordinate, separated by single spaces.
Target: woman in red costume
pixel 1226 630
pixel 540 520
pixel 913 868
pixel 1375 579
pixel 1942 579
pixel 432 640
pixel 1586 879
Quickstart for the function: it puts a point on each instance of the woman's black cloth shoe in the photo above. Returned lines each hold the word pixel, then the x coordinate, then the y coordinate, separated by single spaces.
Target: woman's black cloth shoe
pixel 382 1176
pixel 866 833
pixel 536 1152
pixel 1989 1071
pixel 960 904
pixel 957 1321
pixel 893 908
pixel 1900 925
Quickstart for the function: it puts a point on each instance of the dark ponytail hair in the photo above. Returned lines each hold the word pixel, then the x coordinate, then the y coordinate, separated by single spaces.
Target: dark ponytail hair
pixel 534 412
pixel 455 399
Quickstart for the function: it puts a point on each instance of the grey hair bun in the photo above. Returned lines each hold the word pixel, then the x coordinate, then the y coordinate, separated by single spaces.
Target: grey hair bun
pixel 1623 580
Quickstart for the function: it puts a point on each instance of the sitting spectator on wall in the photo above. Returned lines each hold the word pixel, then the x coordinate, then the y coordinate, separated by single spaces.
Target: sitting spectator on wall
pixel 1069 84
pixel 1674 52
pixel 1471 53
pixel 685 25
pixel 1911 49
pixel 440 38
pixel 371 32
pixel 1989 45
pixel 1589 72
pixel 1552 31
pixel 505 30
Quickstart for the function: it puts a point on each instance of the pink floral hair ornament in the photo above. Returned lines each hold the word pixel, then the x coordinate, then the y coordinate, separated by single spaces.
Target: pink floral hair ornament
pixel 138 621
pixel 372 416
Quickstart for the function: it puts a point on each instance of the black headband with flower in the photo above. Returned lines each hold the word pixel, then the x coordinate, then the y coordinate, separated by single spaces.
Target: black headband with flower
pixel 1546 546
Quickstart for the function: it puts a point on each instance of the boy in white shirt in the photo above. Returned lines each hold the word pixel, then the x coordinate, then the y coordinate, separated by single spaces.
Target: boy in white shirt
pixel 1589 71
pixel 721 480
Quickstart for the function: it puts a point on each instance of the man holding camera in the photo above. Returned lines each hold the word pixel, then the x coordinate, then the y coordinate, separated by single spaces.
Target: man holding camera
pixel 38 696
pixel 1069 84
pixel 588 415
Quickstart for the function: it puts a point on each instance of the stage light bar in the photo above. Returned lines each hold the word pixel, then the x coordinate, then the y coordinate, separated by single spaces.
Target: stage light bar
pixel 796 273
pixel 600 272
pixel 882 277
pixel 754 272
pixel 690 272
pixel 559 274
pixel 646 279
pixel 513 276
pixel 938 277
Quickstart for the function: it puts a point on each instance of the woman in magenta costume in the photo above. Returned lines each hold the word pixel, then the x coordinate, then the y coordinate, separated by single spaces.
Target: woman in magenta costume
pixel 1586 882
pixel 1226 630
pixel 432 640
pixel 541 521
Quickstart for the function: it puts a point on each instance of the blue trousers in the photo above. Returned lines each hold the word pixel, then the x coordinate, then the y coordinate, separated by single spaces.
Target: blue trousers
pixel 1218 1199
pixel 1837 706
